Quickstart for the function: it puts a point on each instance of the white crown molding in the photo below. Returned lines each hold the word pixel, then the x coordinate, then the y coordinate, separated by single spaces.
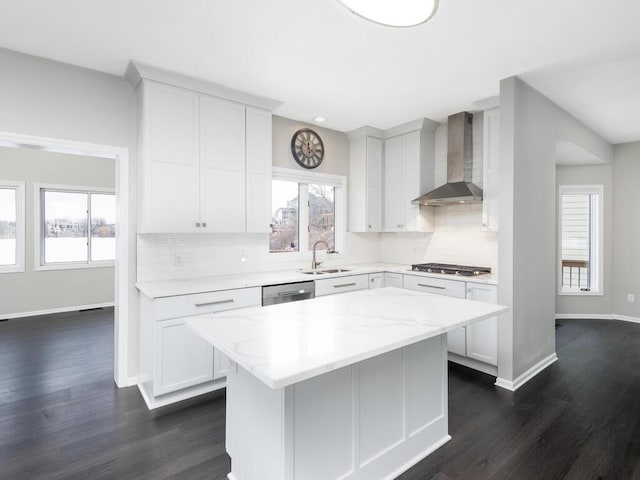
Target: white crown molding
pixel 528 375
pixel 137 71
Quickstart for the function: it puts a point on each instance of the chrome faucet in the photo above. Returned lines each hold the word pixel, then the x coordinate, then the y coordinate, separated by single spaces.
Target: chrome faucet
pixel 314 263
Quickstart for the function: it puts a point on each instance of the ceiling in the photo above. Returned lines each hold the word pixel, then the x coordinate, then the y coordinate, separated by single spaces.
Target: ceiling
pixel 319 59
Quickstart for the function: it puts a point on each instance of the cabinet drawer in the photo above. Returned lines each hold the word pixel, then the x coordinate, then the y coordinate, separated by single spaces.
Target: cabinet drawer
pixel 186 305
pixel 439 286
pixel 329 286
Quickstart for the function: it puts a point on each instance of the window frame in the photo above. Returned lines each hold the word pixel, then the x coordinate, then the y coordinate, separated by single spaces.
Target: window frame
pixel 19 187
pixel 340 194
pixel 596 238
pixel 39 233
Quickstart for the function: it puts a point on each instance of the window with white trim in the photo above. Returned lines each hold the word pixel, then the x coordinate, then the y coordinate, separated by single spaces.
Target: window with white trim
pixel 77 227
pixel 11 226
pixel 581 238
pixel 306 208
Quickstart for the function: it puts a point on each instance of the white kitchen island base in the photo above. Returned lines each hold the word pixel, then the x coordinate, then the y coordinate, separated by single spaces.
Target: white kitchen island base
pixel 367 421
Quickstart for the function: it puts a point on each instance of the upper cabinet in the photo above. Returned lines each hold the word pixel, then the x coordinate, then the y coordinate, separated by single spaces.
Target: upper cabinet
pixel 387 170
pixel 491 169
pixel 204 161
pixel 365 182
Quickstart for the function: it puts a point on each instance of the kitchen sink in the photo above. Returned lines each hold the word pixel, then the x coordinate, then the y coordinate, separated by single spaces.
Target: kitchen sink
pixel 314 272
pixel 335 270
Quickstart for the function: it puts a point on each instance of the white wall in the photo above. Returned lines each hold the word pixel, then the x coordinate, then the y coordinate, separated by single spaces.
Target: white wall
pixel 222 254
pixel 46 98
pixel 626 227
pixel 589 175
pixel 530 126
pixel 33 291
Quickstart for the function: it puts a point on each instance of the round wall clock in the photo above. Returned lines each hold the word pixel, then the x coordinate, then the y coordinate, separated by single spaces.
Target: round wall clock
pixel 307 148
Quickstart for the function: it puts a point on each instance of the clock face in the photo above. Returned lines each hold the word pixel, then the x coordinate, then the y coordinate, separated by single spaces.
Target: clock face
pixel 307 148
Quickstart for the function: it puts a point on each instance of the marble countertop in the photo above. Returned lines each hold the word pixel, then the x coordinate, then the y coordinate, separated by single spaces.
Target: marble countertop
pixel 287 343
pixel 186 286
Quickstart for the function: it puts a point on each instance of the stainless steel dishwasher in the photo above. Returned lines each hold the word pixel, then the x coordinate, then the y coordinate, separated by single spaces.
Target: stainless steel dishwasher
pixel 288 292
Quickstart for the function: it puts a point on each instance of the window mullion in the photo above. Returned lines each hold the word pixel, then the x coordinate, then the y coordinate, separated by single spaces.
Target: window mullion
pixel 88 228
pixel 303 228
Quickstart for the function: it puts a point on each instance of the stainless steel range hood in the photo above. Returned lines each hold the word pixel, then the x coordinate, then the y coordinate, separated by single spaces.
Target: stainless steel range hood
pixel 459 188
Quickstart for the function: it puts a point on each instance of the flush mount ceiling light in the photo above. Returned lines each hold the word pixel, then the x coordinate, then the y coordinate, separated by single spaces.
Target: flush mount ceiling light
pixel 393 13
pixel 320 119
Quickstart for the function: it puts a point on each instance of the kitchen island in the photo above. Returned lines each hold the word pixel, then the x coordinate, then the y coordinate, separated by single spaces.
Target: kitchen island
pixel 350 386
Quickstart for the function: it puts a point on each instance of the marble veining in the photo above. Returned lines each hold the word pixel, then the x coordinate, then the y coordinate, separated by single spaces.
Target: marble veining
pixel 287 343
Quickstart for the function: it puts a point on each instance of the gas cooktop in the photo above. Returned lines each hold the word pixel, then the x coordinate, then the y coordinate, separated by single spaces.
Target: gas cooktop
pixel 448 269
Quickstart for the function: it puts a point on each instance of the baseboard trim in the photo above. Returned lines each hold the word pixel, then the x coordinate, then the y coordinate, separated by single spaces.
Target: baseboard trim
pixel 528 375
pixel 132 381
pixel 11 316
pixel 592 316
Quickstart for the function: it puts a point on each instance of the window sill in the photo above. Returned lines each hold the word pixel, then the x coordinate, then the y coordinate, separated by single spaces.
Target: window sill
pixel 12 269
pixel 74 266
pixel 582 294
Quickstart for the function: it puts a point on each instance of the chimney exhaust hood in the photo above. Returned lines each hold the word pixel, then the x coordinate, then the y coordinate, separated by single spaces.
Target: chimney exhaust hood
pixel 459 188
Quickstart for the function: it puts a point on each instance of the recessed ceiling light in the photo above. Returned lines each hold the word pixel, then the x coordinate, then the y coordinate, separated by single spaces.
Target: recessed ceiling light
pixel 320 119
pixel 396 13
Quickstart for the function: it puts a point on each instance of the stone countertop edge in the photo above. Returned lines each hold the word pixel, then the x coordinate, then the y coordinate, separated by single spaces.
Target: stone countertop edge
pixel 214 283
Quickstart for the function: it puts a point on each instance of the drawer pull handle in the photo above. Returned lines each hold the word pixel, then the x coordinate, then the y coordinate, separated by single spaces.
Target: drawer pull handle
pixel 431 286
pixel 345 285
pixel 219 302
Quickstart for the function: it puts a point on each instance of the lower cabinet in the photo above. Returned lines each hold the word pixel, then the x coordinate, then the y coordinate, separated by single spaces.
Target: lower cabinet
pixel 182 359
pixel 376 280
pixel 330 286
pixel 175 363
pixel 478 342
pixel 393 279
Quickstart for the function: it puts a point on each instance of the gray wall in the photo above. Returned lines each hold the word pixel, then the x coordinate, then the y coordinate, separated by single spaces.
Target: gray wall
pixel 530 126
pixel 336 146
pixel 626 227
pixel 589 175
pixel 52 99
pixel 32 290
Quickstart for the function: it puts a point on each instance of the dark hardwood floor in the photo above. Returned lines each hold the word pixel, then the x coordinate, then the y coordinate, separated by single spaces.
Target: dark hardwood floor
pixel 61 416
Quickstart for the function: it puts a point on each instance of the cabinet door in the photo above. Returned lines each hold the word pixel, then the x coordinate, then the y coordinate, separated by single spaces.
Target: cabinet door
pixel 410 180
pixel 222 166
pixel 170 172
pixel 393 280
pixel 182 358
pixel 491 170
pixel 376 280
pixel 482 337
pixel 393 194
pixel 374 185
pixel 457 341
pixel 258 170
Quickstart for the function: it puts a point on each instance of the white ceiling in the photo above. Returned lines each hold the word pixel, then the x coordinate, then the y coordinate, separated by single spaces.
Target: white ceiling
pixel 319 59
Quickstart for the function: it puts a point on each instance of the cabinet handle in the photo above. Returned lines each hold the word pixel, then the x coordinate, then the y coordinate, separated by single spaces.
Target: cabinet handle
pixel 219 302
pixel 431 286
pixel 204 224
pixel 345 285
pixel 369 226
pixel 400 226
pixel 198 224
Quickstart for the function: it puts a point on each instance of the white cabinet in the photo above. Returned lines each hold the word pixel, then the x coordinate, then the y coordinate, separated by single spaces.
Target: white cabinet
pixel 330 286
pixel 478 341
pixel 482 337
pixel 170 165
pixel 205 163
pixel 491 170
pixel 439 286
pixel 376 280
pixel 222 166
pixel 365 183
pixel 402 183
pixel 393 279
pixel 182 359
pixel 176 363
